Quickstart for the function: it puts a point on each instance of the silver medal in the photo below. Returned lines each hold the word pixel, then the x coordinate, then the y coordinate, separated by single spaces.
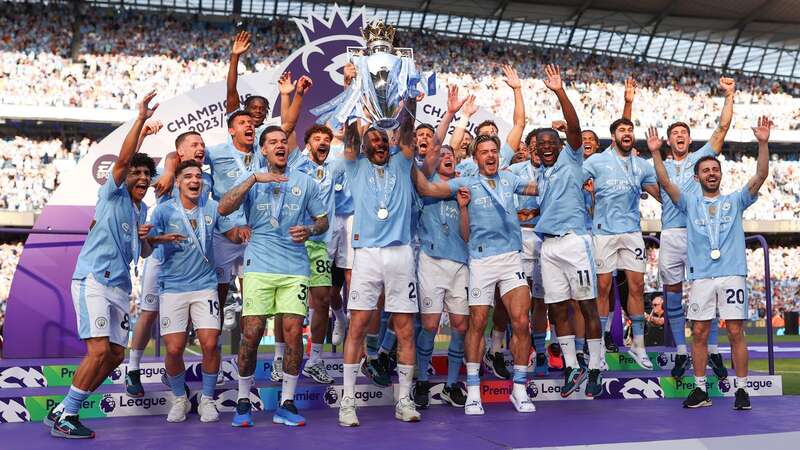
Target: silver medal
pixel 274 222
pixel 338 187
pixel 383 213
pixel 446 228
pixel 715 254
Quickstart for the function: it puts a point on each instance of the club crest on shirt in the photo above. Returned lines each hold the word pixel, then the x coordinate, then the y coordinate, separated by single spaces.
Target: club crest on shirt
pixel 126 227
pixel 504 182
pixel 208 220
pixel 296 191
pixel 726 206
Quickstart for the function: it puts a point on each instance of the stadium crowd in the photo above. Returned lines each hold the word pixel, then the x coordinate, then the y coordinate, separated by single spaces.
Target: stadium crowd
pixel 131 47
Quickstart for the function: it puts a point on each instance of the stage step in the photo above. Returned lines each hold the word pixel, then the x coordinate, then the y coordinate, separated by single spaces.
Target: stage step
pixel 32 404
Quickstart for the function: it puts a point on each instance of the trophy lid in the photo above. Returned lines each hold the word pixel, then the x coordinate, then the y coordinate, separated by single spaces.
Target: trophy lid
pixel 379 36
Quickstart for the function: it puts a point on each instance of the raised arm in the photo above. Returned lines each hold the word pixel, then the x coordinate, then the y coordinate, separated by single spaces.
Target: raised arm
pixel 515 135
pixel 285 89
pixel 240 45
pixel 167 178
pixel 289 121
pixel 406 130
pixel 761 133
pixel 654 143
pixel 467 111
pixel 462 198
pixel 352 141
pixel 630 93
pixel 554 83
pixel 453 106
pixel 728 87
pixel 132 140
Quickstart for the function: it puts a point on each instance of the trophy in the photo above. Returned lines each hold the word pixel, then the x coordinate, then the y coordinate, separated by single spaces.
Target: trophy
pixel 385 77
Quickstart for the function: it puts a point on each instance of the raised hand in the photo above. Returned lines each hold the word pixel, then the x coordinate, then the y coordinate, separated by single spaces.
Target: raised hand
pixel 727 85
pixel 512 79
pixel 630 89
pixel 285 83
pixel 269 177
pixel 145 110
pixel 463 197
pixel 303 85
pixel 453 103
pixel 761 131
pixel 241 43
pixel 151 127
pixel 553 80
pixel 559 125
pixel 469 107
pixel 349 73
pixel 654 142
pixel 163 184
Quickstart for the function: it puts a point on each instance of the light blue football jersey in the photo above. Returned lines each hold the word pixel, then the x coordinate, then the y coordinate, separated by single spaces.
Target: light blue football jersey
pixel 618 183
pixel 324 175
pixel 440 229
pixel 494 227
pixel 271 249
pixel 341 186
pixel 187 265
pixel 561 203
pixel 373 187
pixel 113 242
pixel 526 171
pixel 702 214
pixel 681 174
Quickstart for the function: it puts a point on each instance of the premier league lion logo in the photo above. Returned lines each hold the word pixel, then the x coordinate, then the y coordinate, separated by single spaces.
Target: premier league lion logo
pixel 532 389
pixel 322 58
pixel 107 404
pixel 331 396
pixel 662 360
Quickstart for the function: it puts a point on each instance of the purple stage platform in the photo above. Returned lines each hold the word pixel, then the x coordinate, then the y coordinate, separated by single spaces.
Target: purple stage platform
pixel 554 424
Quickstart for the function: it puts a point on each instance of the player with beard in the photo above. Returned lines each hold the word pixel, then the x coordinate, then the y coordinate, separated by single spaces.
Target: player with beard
pixel 182 228
pixel 324 171
pixel 275 200
pixel 619 179
pixel 384 260
pixel 443 282
pixel 468 167
pixel 494 261
pixel 527 210
pixel 101 283
pixel 672 256
pixel 189 146
pixel 567 261
pixel 717 264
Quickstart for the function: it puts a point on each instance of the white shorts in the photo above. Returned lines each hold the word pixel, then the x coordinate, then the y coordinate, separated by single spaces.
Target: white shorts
pixel 728 295
pixel 568 266
pixel 150 289
pixel 340 247
pixel 228 258
pixel 389 269
pixel 532 260
pixel 102 311
pixel 504 271
pixel 177 308
pixel 672 259
pixel 620 252
pixel 442 283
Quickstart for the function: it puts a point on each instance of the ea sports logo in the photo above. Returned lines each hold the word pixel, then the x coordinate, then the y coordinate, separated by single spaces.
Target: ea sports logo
pixel 532 389
pixel 102 167
pixel 331 396
pixel 107 404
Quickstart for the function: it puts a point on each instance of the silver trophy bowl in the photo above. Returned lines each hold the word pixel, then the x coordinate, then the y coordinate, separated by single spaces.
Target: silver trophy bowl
pixel 380 84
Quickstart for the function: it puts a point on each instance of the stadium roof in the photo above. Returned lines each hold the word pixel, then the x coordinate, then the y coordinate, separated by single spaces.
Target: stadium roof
pixel 752 36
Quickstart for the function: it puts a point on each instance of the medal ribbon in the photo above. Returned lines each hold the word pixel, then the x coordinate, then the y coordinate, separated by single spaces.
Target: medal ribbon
pixel 382 191
pixel 497 195
pixel 200 242
pixel 629 175
pixel 712 230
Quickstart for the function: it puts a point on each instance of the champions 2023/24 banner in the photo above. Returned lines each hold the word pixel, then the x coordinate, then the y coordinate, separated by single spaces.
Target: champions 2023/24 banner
pixel 40 318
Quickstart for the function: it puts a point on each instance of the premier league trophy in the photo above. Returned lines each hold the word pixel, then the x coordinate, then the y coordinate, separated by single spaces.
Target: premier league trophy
pixel 385 77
